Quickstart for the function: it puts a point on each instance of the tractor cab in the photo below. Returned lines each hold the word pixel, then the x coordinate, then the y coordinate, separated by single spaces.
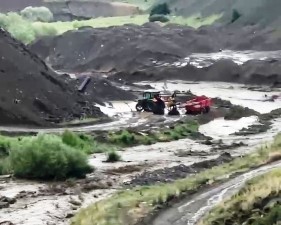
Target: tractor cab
pixel 146 102
pixel 149 95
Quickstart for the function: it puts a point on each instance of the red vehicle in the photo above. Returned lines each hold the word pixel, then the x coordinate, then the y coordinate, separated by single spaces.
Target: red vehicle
pixel 198 105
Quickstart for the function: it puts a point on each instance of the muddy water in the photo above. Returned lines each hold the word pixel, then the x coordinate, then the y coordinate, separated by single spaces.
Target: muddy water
pixel 190 210
pixel 53 208
pixel 206 59
pixel 235 93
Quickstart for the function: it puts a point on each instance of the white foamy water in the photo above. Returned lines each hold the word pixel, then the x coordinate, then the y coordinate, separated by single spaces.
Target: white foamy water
pixel 239 57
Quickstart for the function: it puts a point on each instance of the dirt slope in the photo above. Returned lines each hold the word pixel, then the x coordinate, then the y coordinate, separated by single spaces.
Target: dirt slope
pixel 252 72
pixel 131 48
pixel 262 12
pixel 32 94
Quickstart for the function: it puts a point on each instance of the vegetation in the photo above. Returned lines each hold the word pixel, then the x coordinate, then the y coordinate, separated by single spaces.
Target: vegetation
pixel 47 156
pixel 113 156
pixel 33 14
pixel 130 205
pixel 160 18
pixel 160 9
pixel 27 31
pixel 257 203
pixel 181 130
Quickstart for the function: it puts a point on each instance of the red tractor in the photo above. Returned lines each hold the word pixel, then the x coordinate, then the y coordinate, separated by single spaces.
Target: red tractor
pixel 198 105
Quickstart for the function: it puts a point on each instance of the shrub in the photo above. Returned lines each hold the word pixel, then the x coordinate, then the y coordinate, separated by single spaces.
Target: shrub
pixel 19 28
pixel 5 146
pixel 160 18
pixel 113 156
pixel 160 9
pixel 33 14
pixel 47 157
pixel 235 15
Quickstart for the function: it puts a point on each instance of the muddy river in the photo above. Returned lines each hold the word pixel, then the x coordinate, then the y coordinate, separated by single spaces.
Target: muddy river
pixel 53 203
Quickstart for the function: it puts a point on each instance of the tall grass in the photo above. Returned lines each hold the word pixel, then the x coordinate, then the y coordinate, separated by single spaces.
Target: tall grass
pixel 256 202
pixel 47 156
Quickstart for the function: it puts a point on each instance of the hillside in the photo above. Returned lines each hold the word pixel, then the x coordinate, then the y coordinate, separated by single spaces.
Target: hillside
pixel 263 12
pixel 31 94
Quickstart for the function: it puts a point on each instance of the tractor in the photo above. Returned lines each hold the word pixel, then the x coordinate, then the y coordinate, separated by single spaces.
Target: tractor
pixel 146 103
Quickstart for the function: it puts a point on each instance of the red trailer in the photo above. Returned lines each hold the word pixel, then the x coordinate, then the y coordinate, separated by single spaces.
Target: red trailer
pixel 198 105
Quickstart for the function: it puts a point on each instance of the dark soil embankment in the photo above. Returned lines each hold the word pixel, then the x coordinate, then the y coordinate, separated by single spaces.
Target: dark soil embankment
pixel 177 172
pixel 31 94
pixel 102 89
pixel 133 48
pixel 251 72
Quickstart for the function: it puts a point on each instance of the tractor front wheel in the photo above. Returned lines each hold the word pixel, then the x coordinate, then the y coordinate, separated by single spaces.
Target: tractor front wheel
pixel 139 107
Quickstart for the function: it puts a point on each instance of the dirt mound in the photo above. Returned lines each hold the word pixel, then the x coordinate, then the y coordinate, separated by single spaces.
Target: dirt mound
pixel 132 47
pixel 170 174
pixel 102 89
pixel 31 94
pixel 252 72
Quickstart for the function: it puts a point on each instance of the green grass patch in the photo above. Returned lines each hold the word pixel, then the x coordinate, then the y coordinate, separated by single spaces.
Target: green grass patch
pixel 27 31
pixel 127 138
pixel 130 205
pixel 256 203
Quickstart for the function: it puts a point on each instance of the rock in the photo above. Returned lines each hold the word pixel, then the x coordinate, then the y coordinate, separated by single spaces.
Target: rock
pixel 4 205
pixel 75 202
pixel 69 215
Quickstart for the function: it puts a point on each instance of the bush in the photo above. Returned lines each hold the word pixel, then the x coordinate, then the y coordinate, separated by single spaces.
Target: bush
pixel 160 9
pixel 113 156
pixel 235 15
pixel 47 157
pixel 33 14
pixel 160 18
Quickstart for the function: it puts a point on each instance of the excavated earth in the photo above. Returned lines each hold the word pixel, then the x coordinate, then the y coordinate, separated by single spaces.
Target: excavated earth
pixel 149 52
pixel 32 94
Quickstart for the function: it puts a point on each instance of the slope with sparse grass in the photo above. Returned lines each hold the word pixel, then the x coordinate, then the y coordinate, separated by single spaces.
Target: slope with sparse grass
pixel 131 205
pixel 258 203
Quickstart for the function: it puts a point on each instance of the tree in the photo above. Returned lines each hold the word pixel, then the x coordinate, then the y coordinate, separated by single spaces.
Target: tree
pixel 160 9
pixel 41 14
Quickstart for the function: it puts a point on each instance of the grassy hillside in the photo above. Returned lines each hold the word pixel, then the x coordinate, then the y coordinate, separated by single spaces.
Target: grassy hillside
pixel 257 203
pixel 27 31
pixel 264 12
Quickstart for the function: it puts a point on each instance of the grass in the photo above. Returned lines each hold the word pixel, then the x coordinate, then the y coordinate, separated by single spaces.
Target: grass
pixel 48 156
pixel 27 31
pixel 113 156
pixel 127 206
pixel 127 138
pixel 256 203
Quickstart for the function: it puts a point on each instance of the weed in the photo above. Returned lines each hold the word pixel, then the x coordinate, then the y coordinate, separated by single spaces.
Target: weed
pixel 113 156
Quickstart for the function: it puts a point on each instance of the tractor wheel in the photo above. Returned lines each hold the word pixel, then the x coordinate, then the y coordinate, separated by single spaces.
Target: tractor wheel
pixel 150 106
pixel 139 107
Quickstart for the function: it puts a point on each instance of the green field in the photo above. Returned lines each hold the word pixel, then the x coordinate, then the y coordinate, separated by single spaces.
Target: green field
pixel 61 27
